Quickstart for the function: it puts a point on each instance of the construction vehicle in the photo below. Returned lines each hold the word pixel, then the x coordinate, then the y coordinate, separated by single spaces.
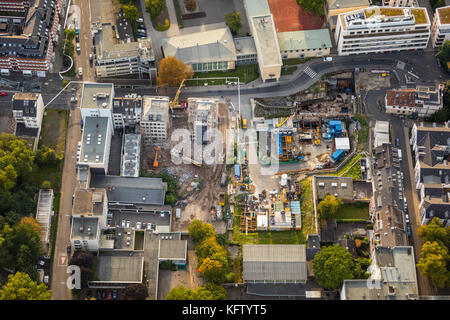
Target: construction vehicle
pixel 284 195
pixel 244 123
pixel 283 121
pixel 155 163
pixel 221 199
pixel 174 104
pixel 318 136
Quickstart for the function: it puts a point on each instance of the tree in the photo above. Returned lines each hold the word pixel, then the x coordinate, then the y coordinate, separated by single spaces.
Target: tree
pixel 313 6
pixel 199 230
pixel 190 5
pixel 444 53
pixel 435 267
pixel 130 12
pixel 69 34
pixel 33 223
pixel 332 265
pixel 210 291
pixel 180 293
pixel 360 268
pixel 135 292
pixel 21 287
pixel 209 247
pixel 25 262
pixel 155 7
pixel 328 207
pixel 233 21
pixel 172 72
pixel 46 184
pixel 46 156
pixel 435 231
pixel 212 270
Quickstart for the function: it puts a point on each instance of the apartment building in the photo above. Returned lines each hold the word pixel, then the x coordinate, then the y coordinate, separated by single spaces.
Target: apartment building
pixel 97 100
pixel 440 29
pixel 399 3
pixel 431 146
pixel 127 111
pixel 116 58
pixel 382 29
pixel 155 120
pixel 28 111
pixel 421 102
pixel 28 36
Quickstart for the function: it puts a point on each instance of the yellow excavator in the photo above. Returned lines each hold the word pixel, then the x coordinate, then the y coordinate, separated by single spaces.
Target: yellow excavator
pixel 155 163
pixel 175 103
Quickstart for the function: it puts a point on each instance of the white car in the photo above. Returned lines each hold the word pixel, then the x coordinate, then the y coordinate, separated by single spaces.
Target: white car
pixel 78 48
pixel 80 71
pixel 140 20
pixel 407 218
pixel 149 226
pixel 123 223
pixel 138 225
pixel 327 59
pixel 79 146
pixel 128 224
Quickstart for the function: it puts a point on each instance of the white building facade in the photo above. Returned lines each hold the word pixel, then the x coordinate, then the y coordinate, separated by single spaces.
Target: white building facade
pixel 440 28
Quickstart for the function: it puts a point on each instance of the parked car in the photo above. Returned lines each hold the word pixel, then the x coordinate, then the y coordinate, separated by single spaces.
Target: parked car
pixel 115 294
pixel 140 20
pixel 138 225
pixel 397 142
pixel 69 250
pixel 408 230
pixel 128 224
pixel 78 48
pixel 144 225
pixel 3 94
pixel 149 226
pixel 109 295
pixel 77 38
pixel 406 218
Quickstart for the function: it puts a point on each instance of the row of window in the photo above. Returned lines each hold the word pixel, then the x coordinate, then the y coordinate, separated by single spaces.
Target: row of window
pixel 388 30
pixel 303 50
pixel 210 66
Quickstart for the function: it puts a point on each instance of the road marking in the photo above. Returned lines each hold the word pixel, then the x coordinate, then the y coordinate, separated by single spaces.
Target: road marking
pixel 62 259
pixel 310 72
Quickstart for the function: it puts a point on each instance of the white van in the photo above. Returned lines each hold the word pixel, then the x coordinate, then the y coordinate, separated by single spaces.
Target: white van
pixel 327 59
pixel 80 71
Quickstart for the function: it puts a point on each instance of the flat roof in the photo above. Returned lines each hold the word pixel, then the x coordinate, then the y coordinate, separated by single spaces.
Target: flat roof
pixel 257 7
pixel 131 190
pixel 444 14
pixel 156 105
pixel 96 95
pixel 172 249
pixel 84 228
pixel 44 212
pixel 343 4
pixel 120 268
pixel 307 39
pixel 93 146
pixel 131 155
pixel 244 46
pixel 266 41
pixel 88 202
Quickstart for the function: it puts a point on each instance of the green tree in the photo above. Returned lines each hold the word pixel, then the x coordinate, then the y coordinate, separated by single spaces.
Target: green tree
pixel 213 270
pixel 69 34
pixel 435 231
pixel 329 206
pixel 130 12
pixel 233 21
pixel 210 291
pixel 46 185
pixel 313 6
pixel 21 287
pixel 360 268
pixel 46 156
pixel 435 267
pixel 25 262
pixel 180 293
pixel 444 54
pixel 209 247
pixel 332 265
pixel 199 230
pixel 155 7
pixel 172 71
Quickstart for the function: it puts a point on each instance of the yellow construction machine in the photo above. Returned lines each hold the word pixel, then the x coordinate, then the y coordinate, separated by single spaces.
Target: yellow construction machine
pixel 174 104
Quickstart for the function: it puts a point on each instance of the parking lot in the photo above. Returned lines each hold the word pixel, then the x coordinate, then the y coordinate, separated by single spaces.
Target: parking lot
pixel 144 219
pixel 125 31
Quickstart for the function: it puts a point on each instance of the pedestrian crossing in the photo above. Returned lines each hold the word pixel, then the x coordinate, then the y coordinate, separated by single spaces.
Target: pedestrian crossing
pixel 310 72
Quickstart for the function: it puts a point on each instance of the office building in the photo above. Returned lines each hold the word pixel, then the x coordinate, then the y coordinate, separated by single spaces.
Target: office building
pixel 440 29
pixel 155 120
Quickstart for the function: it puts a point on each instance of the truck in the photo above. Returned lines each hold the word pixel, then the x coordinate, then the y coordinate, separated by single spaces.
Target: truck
pixel 237 171
pixel 399 155
pixel 244 123
pixel 337 155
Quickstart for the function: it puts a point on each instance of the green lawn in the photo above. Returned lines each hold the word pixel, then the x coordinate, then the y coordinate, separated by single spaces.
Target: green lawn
pixel 139 240
pixel 288 70
pixel 353 162
pixel 54 128
pixel 357 210
pixel 294 61
pixel 363 134
pixel 307 207
pixel 246 73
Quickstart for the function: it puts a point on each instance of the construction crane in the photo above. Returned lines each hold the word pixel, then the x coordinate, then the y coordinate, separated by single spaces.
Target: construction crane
pixel 318 136
pixel 175 103
pixel 155 163
pixel 283 121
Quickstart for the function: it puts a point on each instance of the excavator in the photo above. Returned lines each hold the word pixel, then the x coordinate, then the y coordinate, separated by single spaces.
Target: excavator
pixel 175 103
pixel 155 163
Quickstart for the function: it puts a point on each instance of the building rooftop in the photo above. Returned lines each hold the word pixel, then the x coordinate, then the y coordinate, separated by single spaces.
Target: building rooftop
pixel 256 7
pixel 341 187
pixel 200 47
pixel 131 190
pixel 93 146
pixel 131 155
pixel 172 250
pixel 401 97
pixel 26 102
pixel 274 262
pixel 156 108
pixel 97 95
pixel 44 213
pixel 303 40
pixel 444 14
pixel 127 105
pixel 244 46
pixel 88 202
pixel 84 228
pixel 344 4
pixel 120 268
pixel 266 40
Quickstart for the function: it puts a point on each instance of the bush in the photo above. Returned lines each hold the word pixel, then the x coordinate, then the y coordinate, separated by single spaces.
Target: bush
pixel 161 27
pixel 65 83
pixel 46 185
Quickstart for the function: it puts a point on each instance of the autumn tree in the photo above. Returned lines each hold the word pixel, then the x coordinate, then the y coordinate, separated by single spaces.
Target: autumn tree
pixel 329 206
pixel 212 270
pixel 155 7
pixel 199 230
pixel 21 287
pixel 435 231
pixel 135 292
pixel 180 293
pixel 233 21
pixel 433 263
pixel 46 156
pixel 313 6
pixel 172 71
pixel 207 248
pixel 332 265
pixel 130 12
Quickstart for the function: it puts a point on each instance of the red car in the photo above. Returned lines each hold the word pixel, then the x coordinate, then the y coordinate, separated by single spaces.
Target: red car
pixel 3 94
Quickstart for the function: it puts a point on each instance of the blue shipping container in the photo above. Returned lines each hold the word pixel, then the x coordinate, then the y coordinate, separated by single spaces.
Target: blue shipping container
pixel 337 155
pixel 237 171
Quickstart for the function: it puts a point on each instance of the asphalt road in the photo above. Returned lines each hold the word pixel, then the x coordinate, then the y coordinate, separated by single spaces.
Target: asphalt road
pixel 85 35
